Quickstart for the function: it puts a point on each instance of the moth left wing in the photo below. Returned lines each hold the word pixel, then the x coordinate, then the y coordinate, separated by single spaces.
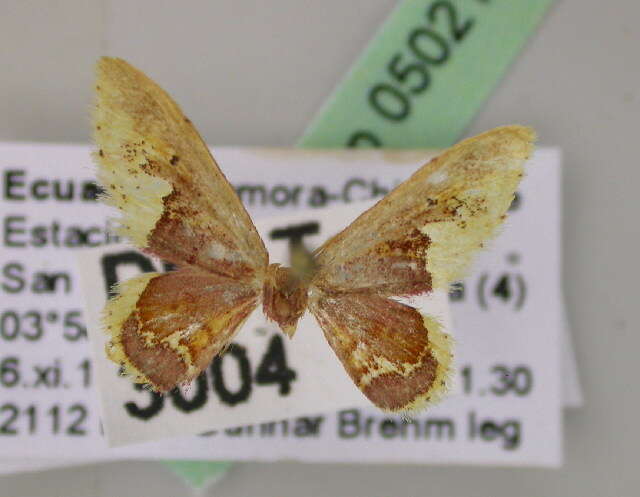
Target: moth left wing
pixel 177 205
pixel 155 167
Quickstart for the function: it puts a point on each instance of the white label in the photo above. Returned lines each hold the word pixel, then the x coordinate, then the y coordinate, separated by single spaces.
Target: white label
pixel 507 321
pixel 303 375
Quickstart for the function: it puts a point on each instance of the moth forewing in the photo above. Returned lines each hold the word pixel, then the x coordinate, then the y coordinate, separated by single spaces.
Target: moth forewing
pixel 157 170
pixel 430 225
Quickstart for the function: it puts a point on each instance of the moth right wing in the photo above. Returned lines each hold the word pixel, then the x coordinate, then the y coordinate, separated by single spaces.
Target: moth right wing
pixel 418 238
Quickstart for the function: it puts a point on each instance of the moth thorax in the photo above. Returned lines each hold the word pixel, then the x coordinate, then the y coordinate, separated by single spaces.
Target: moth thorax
pixel 284 297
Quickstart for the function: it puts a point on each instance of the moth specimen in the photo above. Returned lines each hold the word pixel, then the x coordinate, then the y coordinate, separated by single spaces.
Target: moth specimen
pixel 177 205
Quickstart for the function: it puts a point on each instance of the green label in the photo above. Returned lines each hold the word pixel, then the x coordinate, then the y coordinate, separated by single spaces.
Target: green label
pixel 199 473
pixel 425 74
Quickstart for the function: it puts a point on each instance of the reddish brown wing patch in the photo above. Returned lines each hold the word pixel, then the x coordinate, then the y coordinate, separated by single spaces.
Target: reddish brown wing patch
pixel 395 266
pixel 165 329
pixel 397 357
pixel 211 248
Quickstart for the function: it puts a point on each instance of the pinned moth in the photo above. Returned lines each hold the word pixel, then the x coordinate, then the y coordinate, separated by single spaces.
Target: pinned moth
pixel 177 205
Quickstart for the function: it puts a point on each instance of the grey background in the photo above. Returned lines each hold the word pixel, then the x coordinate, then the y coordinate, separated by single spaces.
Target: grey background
pixel 254 73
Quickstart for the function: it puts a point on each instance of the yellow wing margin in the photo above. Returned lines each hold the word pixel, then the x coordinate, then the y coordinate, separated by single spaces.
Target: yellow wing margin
pixel 475 181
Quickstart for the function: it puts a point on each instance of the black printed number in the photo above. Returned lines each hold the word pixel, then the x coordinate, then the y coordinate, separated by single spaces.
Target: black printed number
pixel 389 102
pixel 273 369
pixel 518 380
pixel 78 413
pixel 242 393
pixel 427 47
pixel 232 381
pixel 403 72
pixel 362 139
pixel 458 29
pixel 9 371
pixel 198 398
pixel 55 419
pixel 7 426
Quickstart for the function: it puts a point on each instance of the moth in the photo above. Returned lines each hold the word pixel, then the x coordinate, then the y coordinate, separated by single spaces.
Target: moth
pixel 176 204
